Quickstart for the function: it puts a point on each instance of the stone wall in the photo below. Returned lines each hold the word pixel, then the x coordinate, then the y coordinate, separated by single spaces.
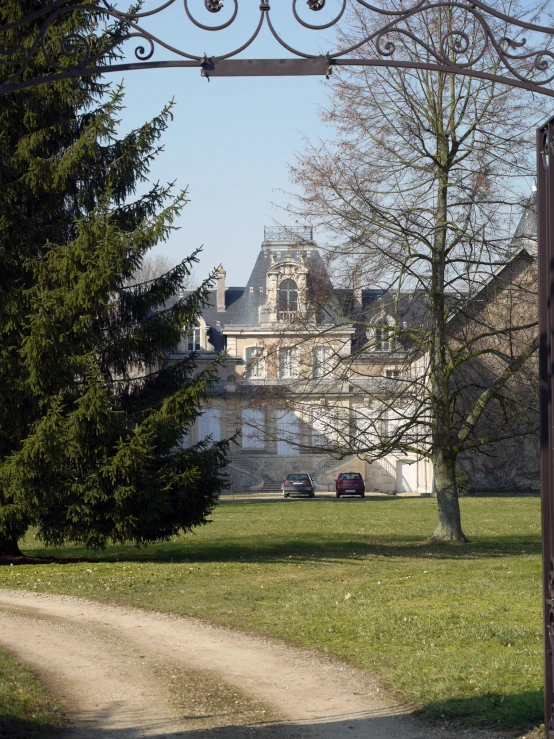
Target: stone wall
pixel 514 466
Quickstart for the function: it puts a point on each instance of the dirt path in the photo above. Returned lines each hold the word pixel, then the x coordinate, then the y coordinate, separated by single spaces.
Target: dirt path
pixel 123 673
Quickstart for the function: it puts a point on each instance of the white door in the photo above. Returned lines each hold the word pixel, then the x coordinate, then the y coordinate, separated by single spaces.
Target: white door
pixel 406 477
pixel 288 432
pixel 209 424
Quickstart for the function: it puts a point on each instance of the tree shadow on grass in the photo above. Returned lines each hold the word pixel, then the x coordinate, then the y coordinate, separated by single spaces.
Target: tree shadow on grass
pixel 519 711
pixel 308 547
pixel 370 724
pixel 268 547
pixel 13 727
pixel 510 714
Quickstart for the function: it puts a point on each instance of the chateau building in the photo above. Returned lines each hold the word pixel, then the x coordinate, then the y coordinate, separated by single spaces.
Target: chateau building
pixel 297 380
pixel 280 393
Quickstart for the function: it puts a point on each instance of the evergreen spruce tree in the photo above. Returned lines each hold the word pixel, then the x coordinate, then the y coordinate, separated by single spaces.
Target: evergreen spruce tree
pixel 91 415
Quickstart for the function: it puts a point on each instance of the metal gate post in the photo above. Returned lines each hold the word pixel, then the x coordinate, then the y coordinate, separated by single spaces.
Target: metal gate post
pixel 545 213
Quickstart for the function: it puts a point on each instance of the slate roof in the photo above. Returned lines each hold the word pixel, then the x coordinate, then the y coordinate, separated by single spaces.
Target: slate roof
pixel 212 316
pixel 345 297
pixel 525 235
pixel 409 306
pixel 243 303
pixel 407 309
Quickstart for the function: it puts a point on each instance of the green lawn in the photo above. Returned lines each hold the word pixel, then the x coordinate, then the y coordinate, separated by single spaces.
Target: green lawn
pixel 456 629
pixel 27 711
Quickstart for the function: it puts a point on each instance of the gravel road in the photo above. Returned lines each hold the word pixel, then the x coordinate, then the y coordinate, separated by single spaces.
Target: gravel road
pixel 126 673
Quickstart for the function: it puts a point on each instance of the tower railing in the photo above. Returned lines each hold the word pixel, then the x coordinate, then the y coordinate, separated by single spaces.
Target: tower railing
pixel 290 234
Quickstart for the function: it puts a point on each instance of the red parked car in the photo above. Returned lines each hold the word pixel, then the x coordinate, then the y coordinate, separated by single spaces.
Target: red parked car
pixel 350 483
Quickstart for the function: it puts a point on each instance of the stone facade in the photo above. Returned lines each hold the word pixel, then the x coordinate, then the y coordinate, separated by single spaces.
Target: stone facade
pixel 275 388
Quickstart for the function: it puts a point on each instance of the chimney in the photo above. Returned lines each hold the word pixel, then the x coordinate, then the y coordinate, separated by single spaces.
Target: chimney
pixel 357 289
pixel 220 289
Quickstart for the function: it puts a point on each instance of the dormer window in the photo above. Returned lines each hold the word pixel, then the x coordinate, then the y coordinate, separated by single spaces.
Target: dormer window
pixel 193 340
pixel 288 299
pixel 196 339
pixel 383 340
pixel 255 363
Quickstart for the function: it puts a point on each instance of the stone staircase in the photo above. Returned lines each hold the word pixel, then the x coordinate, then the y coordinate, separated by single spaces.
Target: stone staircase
pixel 269 485
pixel 323 471
pixel 245 473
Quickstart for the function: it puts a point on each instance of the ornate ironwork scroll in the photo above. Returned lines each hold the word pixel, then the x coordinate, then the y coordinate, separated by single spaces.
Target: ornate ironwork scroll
pixel 473 38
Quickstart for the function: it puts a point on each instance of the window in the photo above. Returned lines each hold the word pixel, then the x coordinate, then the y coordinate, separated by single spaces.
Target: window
pixel 288 432
pixel 288 362
pixel 365 430
pixel 323 365
pixel 193 340
pixel 209 425
pixel 392 372
pixel 184 441
pixel 383 339
pixel 323 426
pixel 390 422
pixel 255 363
pixel 253 429
pixel 288 299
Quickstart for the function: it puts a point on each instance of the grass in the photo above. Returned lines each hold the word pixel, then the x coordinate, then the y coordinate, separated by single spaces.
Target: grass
pixel 454 629
pixel 27 710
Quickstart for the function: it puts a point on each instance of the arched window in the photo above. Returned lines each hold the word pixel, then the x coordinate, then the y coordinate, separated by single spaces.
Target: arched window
pixel 288 299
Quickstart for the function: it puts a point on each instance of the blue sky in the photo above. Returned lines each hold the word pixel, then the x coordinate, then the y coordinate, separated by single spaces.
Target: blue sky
pixel 231 138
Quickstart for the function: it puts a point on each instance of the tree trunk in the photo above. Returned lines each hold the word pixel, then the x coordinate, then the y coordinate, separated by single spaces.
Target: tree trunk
pixel 449 525
pixel 9 548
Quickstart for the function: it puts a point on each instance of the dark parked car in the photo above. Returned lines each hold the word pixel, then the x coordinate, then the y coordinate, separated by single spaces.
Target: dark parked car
pixel 350 483
pixel 298 483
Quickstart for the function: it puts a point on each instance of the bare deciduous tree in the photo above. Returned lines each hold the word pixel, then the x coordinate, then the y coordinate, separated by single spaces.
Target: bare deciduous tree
pixel 155 266
pixel 417 195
